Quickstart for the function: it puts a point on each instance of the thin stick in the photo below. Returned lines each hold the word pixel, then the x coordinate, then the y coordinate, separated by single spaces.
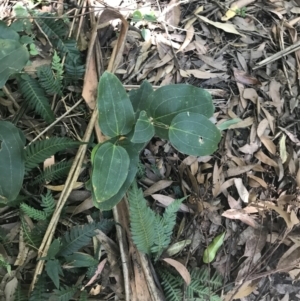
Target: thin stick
pixel 57 120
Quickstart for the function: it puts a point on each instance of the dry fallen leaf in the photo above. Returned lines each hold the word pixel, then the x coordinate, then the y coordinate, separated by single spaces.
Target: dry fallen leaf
pixel 230 28
pixel 188 38
pixel 269 144
pixel 242 191
pixel 265 159
pixel 244 78
pixel 234 7
pixel 242 216
pixel 241 291
pixel 181 269
pixel 167 200
pixel 160 185
pixel 172 14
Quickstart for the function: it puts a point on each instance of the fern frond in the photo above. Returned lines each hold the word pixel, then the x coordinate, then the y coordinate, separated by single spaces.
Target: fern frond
pixel 142 220
pixel 202 286
pixel 40 291
pixel 19 295
pixel 53 172
pixel 36 214
pixel 36 98
pixel 164 227
pixel 172 286
pixel 48 203
pixel 76 238
pixel 49 81
pixel 83 296
pixel 74 67
pixel 65 294
pixel 34 237
pixel 39 151
pixel 54 29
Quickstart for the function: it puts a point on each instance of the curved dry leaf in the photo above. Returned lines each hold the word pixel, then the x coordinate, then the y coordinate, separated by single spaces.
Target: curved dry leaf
pixel 244 78
pixel 265 159
pixel 242 216
pixel 167 200
pixel 262 127
pixel 249 148
pixel 181 269
pixel 290 258
pixel 290 222
pixel 202 74
pixel 251 94
pixel 242 124
pixel 282 148
pixel 242 191
pixel 216 180
pixel 230 28
pixel 160 185
pixel 235 171
pixel 258 180
pixel 76 185
pixel 172 13
pixel 188 38
pixel 241 291
pixel 269 144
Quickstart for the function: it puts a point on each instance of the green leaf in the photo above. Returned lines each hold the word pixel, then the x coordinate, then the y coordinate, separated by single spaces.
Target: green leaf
pixel 139 97
pixel 81 260
pixel 226 124
pixel 54 270
pixel 150 17
pixel 194 134
pixel 38 151
pixel 168 101
pixel 13 57
pixel 211 251
pixel 133 153
pixel 110 169
pixel 12 162
pixel 142 220
pixel 137 16
pixel 144 129
pixel 54 248
pixel 6 33
pixel 116 116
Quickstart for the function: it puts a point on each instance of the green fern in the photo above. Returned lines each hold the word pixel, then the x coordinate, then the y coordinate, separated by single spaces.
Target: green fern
pixel 48 203
pixel 65 294
pixel 164 227
pixel 51 78
pixel 172 286
pixel 19 295
pixel 36 214
pixel 53 172
pixel 36 98
pixel 39 292
pixel 74 68
pixel 39 151
pixel 202 286
pixel 33 237
pixel 80 236
pixel 142 220
pixel 83 296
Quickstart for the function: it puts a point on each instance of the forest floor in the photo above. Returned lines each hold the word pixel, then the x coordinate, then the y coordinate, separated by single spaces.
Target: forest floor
pixel 242 202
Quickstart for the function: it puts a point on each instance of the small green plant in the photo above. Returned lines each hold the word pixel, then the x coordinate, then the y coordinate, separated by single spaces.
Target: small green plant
pixel 241 11
pixel 150 232
pixel 139 16
pixel 178 113
pixel 202 286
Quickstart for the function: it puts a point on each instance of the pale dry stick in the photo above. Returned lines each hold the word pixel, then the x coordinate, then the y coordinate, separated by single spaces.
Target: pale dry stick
pixel 57 120
pixel 8 94
pixel 278 55
pixel 71 179
pixel 81 19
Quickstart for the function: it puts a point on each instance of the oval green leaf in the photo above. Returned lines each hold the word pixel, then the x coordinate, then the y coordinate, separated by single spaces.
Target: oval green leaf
pixel 116 116
pixel 110 169
pixel 211 251
pixel 13 57
pixel 133 150
pixel 12 163
pixel 168 101
pixel 194 134
pixel 144 129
